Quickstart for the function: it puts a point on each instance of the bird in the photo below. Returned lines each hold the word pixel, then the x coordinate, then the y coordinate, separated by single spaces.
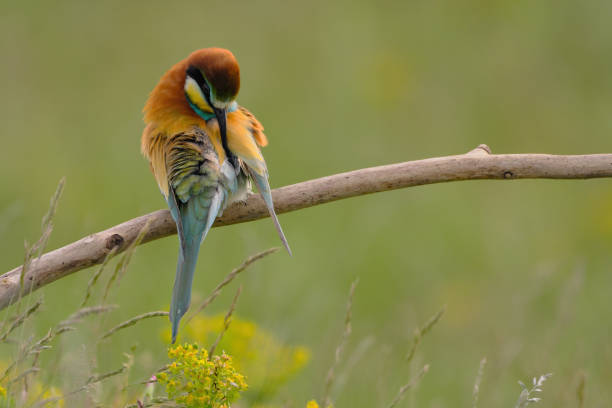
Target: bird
pixel 204 152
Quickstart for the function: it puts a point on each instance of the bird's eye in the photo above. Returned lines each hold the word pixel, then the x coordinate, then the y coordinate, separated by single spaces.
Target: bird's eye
pixel 197 76
pixel 205 88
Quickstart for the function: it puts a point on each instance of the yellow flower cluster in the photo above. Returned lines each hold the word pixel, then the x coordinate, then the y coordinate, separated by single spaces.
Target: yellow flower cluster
pixel 268 362
pixel 193 380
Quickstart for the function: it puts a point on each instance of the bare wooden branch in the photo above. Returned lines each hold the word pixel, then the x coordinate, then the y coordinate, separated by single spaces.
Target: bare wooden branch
pixel 478 164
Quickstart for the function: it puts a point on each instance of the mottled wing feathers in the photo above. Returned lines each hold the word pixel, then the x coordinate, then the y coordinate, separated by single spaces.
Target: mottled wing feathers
pixel 192 164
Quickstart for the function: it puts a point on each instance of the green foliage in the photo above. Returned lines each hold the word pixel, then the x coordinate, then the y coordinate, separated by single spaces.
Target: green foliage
pixel 194 380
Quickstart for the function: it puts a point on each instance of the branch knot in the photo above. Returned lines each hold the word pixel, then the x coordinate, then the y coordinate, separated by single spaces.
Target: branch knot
pixel 113 241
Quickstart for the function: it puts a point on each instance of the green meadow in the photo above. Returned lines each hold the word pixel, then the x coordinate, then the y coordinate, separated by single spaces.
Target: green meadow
pixel 523 268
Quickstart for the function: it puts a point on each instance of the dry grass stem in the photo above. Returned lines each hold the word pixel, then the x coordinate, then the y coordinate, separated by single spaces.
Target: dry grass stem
pixel 345 335
pixel 35 250
pixel 580 390
pixel 477 382
pixel 125 260
pixel 248 262
pixel 44 402
pixel 20 319
pixel 132 322
pixel 102 377
pixel 529 395
pixel 77 316
pixel 155 402
pixel 35 349
pixel 90 381
pixel 360 350
pixel 94 279
pixel 24 374
pixel 402 391
pixel 226 322
pixel 47 221
pixel 420 332
pixel 26 349
pixel 46 228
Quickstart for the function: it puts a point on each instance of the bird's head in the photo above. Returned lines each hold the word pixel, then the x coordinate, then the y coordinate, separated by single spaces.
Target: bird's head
pixel 213 74
pixel 212 81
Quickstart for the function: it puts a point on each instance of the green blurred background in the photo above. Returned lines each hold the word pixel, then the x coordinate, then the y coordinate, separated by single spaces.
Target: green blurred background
pixel 524 267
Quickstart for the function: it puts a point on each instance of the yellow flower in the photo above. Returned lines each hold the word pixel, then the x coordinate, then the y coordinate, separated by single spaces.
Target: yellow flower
pixel 312 404
pixel 268 362
pixel 194 380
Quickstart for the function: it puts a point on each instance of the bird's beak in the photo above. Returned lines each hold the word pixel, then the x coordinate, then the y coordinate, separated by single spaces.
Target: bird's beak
pixel 221 115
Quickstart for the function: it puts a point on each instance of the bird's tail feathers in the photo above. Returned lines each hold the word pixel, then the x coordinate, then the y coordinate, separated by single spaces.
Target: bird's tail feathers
pixel 196 219
pixel 264 189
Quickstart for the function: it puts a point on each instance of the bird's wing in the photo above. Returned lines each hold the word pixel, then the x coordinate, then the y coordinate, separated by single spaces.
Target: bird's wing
pixel 246 134
pixel 196 195
pixel 153 147
pixel 255 127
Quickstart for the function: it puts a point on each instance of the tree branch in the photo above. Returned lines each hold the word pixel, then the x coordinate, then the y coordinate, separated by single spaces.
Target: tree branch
pixel 477 164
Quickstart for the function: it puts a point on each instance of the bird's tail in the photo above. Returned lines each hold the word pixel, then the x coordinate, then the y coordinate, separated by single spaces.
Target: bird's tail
pixel 196 219
pixel 264 189
pixel 181 294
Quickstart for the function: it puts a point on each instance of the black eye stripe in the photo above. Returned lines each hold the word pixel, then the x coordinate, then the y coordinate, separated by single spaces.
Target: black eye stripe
pixel 196 74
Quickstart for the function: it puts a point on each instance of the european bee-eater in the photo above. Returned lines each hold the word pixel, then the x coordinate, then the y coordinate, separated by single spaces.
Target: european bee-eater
pixel 203 149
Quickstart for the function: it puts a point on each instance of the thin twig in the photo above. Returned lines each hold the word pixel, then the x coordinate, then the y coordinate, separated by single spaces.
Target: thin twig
pixel 478 164
pixel 226 322
pixel 345 335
